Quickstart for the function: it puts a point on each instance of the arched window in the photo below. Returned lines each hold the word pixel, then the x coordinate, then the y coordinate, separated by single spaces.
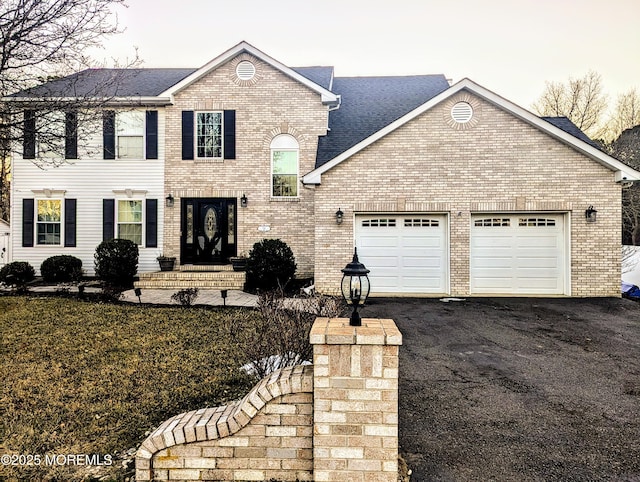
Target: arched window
pixel 284 166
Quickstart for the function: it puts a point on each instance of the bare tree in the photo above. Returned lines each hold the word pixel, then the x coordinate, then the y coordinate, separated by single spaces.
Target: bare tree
pixel 626 148
pixel 43 40
pixel 582 101
pixel 625 115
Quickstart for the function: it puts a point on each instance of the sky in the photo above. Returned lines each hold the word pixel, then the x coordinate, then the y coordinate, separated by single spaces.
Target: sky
pixel 511 47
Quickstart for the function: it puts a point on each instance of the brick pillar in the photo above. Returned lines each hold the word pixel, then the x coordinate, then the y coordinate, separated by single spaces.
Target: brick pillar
pixel 355 398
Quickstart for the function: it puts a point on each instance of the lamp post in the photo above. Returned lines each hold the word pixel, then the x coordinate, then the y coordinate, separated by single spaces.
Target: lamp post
pixel 355 287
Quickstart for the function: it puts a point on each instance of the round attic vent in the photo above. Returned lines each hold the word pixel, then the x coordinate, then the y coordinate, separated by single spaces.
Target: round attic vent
pixel 462 112
pixel 245 70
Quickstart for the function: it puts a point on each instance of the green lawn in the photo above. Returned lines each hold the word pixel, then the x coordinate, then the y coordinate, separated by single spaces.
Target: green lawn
pixel 88 378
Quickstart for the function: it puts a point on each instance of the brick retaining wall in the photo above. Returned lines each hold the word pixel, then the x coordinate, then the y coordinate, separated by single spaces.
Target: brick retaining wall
pixel 336 420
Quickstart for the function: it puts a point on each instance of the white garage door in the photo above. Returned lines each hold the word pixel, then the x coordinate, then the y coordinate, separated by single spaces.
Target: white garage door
pixel 405 253
pixel 522 254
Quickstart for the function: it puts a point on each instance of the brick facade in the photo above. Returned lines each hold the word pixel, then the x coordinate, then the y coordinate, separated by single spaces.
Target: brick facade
pixel 272 104
pixel 499 164
pixel 335 420
pixel 495 163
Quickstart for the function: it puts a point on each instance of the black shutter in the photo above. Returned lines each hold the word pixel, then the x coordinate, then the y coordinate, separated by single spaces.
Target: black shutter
pixel 151 211
pixel 71 135
pixel 151 134
pixel 108 219
pixel 29 140
pixel 70 223
pixel 229 134
pixel 187 134
pixel 27 222
pixel 109 134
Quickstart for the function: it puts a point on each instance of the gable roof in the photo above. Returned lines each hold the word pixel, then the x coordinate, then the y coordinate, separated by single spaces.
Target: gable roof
pixel 322 76
pixel 566 125
pixel 622 171
pixel 327 96
pixel 106 83
pixel 370 103
pixel 157 85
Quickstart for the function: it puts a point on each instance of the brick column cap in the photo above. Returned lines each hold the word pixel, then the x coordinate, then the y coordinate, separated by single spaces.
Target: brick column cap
pixel 337 331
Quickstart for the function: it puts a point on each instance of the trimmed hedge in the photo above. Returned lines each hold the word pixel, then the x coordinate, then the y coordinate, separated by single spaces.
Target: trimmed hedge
pixel 17 273
pixel 61 269
pixel 271 265
pixel 116 262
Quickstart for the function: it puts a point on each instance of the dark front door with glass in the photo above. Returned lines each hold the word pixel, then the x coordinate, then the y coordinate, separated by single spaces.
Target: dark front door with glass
pixel 208 230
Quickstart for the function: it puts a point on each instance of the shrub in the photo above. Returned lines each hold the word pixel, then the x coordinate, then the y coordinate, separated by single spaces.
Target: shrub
pixel 271 264
pixel 18 274
pixel 116 262
pixel 62 268
pixel 185 297
pixel 277 335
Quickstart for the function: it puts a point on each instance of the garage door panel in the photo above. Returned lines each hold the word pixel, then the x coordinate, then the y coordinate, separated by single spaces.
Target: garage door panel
pixel 538 263
pixel 383 262
pixel 497 241
pixel 493 263
pixel 380 242
pixel 422 242
pixel 406 256
pixel 523 254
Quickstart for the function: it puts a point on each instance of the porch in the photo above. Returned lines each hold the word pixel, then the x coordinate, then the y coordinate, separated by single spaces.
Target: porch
pixel 203 277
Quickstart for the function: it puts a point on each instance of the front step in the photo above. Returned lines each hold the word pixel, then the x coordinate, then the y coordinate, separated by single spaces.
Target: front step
pixel 217 277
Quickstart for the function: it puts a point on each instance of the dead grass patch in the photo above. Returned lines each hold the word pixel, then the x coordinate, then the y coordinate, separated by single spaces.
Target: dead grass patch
pixel 90 378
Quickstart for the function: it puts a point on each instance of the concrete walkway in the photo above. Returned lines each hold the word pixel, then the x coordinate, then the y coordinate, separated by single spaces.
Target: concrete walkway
pixel 205 297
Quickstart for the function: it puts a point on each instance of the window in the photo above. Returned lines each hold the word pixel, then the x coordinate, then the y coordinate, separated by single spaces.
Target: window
pixel 52 135
pixel 209 135
pixel 130 220
pixel 48 222
pixel 421 223
pixel 492 222
pixel 536 222
pixel 130 135
pixel 284 166
pixel 379 223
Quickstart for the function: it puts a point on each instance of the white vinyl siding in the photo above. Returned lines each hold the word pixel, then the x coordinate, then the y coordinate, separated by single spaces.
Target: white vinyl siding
pixel 89 179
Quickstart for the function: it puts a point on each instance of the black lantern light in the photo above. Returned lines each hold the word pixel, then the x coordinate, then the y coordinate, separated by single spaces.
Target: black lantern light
pixel 590 214
pixel 169 201
pixel 244 201
pixel 355 287
pixel 339 216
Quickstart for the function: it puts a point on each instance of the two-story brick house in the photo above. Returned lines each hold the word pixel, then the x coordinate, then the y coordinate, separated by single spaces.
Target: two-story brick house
pixel 443 189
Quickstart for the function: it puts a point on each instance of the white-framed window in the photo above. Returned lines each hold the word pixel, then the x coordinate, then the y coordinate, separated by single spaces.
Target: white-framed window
pixel 208 138
pixel 130 135
pixel 129 219
pixel 285 152
pixel 49 222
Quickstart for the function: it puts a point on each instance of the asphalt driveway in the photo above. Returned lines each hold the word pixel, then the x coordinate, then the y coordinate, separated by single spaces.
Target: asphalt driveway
pixel 518 389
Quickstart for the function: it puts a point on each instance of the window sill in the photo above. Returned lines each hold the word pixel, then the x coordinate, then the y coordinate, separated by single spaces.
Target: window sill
pixel 209 161
pixel 292 199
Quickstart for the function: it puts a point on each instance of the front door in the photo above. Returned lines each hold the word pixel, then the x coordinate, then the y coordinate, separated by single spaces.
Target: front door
pixel 208 230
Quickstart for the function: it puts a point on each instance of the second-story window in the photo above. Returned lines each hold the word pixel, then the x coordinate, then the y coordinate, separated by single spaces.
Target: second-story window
pixel 284 166
pixel 130 135
pixel 209 135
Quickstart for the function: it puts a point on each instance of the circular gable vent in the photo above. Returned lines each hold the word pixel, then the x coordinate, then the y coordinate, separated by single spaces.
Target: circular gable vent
pixel 462 112
pixel 245 70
